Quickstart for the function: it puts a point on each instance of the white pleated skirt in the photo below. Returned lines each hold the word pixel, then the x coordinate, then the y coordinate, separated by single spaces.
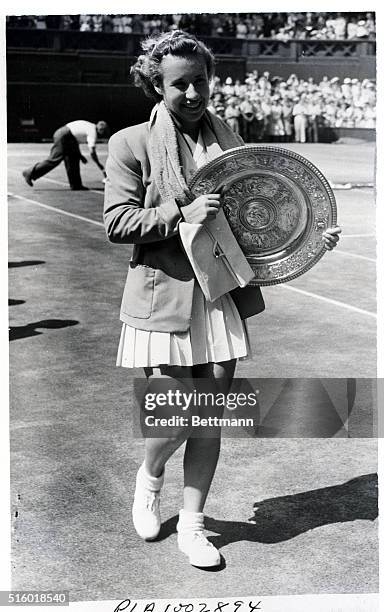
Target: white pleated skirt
pixel 216 334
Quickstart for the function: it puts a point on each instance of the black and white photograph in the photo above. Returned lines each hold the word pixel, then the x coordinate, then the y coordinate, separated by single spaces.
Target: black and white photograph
pixel 191 335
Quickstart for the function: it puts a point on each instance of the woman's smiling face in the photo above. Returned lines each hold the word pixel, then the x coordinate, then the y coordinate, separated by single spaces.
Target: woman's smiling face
pixel 185 87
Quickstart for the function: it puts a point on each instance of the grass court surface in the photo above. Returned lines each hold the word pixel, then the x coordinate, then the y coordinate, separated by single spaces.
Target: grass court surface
pixel 73 457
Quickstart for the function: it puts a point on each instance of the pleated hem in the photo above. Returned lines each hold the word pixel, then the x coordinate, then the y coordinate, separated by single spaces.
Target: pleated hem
pixel 216 334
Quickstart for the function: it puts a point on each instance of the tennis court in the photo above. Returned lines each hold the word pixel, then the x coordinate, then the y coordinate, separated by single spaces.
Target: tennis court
pixel 72 451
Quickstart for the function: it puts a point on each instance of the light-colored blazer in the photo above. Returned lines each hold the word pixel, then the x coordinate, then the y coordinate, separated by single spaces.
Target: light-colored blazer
pixel 160 282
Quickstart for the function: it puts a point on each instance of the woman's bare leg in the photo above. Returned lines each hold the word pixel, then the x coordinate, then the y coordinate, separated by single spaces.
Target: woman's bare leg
pixel 150 476
pixel 159 450
pixel 202 453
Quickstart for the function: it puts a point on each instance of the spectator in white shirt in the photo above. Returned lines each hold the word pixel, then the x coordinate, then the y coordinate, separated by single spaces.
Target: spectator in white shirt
pixel 352 29
pixel 232 115
pixel 300 118
pixel 362 30
pixel 340 25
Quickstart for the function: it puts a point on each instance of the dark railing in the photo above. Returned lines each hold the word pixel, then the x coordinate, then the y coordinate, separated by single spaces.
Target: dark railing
pixel 294 50
pixel 337 48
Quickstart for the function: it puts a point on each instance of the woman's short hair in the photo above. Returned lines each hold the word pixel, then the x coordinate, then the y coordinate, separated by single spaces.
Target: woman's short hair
pixel 146 70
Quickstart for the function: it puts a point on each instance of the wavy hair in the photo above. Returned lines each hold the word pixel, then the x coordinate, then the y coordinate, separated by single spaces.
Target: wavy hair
pixel 146 70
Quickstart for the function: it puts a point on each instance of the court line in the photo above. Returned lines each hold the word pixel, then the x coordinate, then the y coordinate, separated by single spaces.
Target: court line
pixel 23 153
pixel 59 210
pixel 307 293
pixel 37 151
pixel 43 178
pixel 355 255
pixel 66 184
pixel 50 180
pixel 340 251
pixel 330 301
pixel 359 236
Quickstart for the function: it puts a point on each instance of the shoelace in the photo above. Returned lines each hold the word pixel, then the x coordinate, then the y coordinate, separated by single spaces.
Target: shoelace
pixel 199 535
pixel 152 500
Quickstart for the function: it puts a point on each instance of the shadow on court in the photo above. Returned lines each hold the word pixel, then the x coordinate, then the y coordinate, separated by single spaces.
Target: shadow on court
pixel 22 264
pixel 73 453
pixel 281 518
pixel 26 331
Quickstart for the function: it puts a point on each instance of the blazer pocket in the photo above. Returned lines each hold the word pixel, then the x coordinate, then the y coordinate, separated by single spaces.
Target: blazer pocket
pixel 172 301
pixel 138 292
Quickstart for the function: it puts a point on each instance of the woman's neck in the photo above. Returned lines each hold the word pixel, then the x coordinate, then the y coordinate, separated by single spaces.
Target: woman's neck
pixel 191 129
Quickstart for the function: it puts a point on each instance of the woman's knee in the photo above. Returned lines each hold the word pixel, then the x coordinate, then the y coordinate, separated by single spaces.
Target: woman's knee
pixel 167 407
pixel 165 437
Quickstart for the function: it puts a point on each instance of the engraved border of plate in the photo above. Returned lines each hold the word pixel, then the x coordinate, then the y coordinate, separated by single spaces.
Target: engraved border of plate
pixel 308 247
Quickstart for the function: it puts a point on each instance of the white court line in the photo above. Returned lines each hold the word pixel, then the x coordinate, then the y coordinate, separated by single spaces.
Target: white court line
pixel 59 210
pixel 341 252
pixel 37 151
pixel 44 178
pixel 23 153
pixel 358 236
pixel 330 301
pixel 309 294
pixel 66 184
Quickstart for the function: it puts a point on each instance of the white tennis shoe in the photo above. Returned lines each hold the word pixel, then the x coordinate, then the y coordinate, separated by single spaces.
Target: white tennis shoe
pixel 146 505
pixel 200 551
pixel 192 541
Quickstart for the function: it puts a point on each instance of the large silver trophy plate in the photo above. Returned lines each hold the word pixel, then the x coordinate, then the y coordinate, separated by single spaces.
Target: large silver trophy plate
pixel 277 204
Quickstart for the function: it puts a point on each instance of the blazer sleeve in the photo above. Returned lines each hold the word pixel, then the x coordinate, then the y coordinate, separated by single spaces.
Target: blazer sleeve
pixel 125 218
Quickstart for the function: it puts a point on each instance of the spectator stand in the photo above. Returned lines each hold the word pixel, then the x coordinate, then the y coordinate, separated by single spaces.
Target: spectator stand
pixel 86 60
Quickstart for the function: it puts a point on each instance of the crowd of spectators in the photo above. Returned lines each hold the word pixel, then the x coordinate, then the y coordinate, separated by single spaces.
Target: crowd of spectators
pixel 282 26
pixel 266 108
pixel 263 108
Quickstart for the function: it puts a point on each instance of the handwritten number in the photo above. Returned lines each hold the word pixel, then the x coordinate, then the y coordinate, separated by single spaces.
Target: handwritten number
pixel 220 606
pixel 187 607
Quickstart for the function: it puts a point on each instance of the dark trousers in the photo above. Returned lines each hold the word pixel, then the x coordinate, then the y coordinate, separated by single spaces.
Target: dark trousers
pixel 312 131
pixel 65 148
pixel 248 130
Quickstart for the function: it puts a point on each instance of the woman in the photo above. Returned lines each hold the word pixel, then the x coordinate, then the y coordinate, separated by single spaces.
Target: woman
pixel 169 327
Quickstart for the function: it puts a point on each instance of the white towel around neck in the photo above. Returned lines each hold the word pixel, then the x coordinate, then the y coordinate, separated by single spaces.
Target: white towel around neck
pixel 221 236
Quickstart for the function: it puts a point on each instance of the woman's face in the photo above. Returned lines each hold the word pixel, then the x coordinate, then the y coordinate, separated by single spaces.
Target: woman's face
pixel 185 87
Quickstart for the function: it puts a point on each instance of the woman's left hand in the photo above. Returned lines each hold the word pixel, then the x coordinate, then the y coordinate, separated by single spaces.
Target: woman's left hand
pixel 331 237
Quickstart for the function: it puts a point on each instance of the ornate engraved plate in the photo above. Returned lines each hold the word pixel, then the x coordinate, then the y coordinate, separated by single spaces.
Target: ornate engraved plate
pixel 277 203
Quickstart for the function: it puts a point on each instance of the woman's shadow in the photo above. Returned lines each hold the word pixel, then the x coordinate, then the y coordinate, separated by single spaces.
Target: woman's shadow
pixel 281 518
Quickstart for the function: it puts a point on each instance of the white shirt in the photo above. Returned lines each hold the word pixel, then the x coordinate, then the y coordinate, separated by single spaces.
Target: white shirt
pixel 84 132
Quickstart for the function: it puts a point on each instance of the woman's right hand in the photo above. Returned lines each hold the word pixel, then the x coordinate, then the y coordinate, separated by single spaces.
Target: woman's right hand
pixel 202 209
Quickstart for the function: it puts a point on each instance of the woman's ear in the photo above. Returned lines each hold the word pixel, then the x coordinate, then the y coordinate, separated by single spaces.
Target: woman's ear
pixel 157 87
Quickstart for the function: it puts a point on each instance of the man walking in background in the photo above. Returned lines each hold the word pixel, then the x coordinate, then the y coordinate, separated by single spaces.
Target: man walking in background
pixel 66 148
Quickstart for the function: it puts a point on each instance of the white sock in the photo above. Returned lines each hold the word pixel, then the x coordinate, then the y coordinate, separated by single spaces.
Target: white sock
pixel 190 522
pixel 153 483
